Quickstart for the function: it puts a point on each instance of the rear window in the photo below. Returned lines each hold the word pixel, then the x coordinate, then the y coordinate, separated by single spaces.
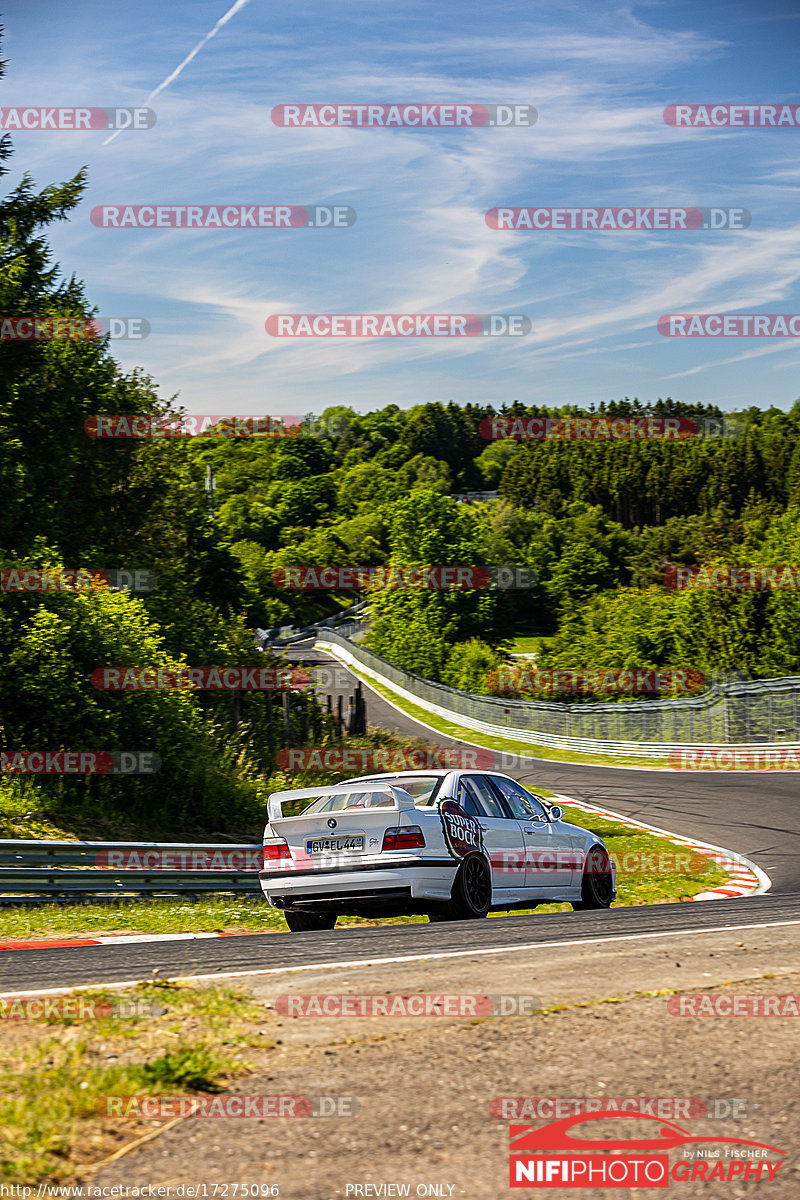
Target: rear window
pixel 423 788
pixel 365 799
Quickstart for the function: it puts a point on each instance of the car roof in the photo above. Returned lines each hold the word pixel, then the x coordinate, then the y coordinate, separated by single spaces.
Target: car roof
pixel 438 771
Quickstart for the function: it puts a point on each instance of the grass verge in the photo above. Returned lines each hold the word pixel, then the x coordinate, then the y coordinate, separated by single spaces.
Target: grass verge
pixel 187 1041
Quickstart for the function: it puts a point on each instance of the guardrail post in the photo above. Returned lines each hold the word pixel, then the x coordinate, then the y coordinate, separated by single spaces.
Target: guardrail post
pixel 771 721
pixel 270 727
pixel 747 723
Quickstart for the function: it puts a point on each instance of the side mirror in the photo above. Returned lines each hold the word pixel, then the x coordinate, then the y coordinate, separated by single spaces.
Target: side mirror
pixel 539 818
pixel 556 813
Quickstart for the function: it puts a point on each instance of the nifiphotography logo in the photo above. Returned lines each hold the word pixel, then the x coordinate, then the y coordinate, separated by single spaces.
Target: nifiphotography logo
pixel 552 1156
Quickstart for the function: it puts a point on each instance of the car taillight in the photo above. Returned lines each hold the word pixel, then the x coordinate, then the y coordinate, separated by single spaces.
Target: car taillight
pixel 404 837
pixel 275 851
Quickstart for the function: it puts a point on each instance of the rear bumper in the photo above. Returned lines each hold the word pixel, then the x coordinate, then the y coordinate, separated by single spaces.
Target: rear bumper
pixel 364 887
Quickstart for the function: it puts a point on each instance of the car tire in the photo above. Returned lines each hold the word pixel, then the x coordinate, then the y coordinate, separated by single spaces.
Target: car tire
pixel 305 922
pixel 471 896
pixel 597 886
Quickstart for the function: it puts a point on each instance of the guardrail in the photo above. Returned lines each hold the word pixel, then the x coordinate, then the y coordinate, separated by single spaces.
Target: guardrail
pixel 741 715
pixel 32 869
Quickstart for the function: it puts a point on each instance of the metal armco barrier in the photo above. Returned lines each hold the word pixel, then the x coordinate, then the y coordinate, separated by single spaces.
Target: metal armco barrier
pixel 61 870
pixel 745 716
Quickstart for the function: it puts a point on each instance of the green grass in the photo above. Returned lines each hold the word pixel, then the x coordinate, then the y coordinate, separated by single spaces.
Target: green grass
pixel 192 1041
pixel 525 645
pixel 215 914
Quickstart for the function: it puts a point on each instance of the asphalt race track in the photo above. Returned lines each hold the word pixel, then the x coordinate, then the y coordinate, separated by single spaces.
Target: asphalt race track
pixel 752 814
pixel 32 970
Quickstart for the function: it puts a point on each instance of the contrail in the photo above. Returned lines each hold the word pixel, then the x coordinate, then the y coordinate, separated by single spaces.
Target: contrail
pixel 232 11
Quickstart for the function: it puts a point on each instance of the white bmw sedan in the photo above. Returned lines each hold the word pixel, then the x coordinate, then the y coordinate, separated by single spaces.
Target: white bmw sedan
pixel 449 844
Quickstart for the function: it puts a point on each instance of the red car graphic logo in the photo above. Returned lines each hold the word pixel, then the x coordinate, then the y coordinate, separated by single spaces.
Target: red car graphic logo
pixel 526 1139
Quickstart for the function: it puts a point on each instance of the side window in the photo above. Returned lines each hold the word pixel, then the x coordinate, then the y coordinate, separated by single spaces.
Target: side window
pixel 483 796
pixel 466 798
pixel 521 803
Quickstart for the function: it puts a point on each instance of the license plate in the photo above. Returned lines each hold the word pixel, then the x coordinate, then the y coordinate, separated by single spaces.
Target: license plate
pixel 334 845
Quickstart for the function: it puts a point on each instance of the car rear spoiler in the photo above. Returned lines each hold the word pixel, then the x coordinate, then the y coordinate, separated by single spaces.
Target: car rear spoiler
pixel 401 798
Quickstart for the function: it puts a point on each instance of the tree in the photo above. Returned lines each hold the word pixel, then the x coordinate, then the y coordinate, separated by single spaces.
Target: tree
pixel 416 627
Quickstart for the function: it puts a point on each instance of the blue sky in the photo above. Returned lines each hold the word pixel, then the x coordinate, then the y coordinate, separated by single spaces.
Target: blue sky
pixel 599 74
